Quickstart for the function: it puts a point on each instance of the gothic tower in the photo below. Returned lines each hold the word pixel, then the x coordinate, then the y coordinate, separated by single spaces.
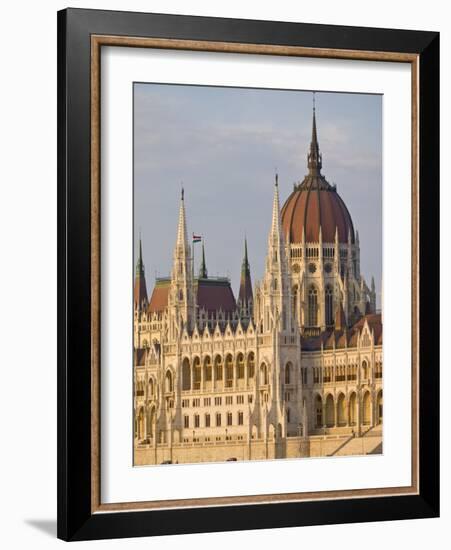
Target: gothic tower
pixel 140 289
pixel 245 296
pixel 181 302
pixel 324 251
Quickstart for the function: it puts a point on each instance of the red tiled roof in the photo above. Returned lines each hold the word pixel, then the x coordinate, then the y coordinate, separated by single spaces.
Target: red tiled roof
pixel 343 338
pixel 213 295
pixel 159 299
pixel 310 207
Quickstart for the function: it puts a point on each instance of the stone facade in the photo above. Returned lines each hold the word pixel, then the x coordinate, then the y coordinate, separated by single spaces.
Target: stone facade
pixel 293 369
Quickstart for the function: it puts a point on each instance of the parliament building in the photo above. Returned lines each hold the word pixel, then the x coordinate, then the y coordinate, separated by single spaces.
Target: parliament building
pixel 290 368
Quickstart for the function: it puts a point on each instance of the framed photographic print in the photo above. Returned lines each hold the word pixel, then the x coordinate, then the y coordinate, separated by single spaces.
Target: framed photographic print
pixel 248 274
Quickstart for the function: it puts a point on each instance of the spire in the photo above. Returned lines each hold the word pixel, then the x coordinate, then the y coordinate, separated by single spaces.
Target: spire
pixel 139 263
pixel 245 266
pixel 182 234
pixel 245 296
pixel 203 273
pixel 276 224
pixel 314 159
pixel 140 289
pixel 181 296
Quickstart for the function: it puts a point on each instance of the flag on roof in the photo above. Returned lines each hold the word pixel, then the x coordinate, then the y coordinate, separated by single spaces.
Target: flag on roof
pixel 196 238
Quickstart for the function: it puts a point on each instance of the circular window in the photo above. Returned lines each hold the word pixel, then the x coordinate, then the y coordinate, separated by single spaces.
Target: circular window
pixel 296 268
pixel 328 268
pixel 312 268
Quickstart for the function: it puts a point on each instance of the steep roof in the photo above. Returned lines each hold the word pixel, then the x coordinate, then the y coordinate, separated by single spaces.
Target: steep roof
pixel 345 338
pixel 213 294
pixel 159 299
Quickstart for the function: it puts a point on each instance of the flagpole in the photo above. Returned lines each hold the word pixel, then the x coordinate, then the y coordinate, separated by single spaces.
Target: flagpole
pixel 192 244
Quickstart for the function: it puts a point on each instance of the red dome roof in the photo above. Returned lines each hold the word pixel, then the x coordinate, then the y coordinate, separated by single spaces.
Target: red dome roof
pixel 312 205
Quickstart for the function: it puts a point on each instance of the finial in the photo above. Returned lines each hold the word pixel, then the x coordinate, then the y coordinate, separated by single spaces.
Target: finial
pixel 314 101
pixel 182 191
pixel 277 179
pixel 203 273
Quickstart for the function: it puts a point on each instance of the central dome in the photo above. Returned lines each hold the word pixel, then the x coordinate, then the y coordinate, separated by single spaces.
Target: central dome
pixel 315 203
pixel 310 206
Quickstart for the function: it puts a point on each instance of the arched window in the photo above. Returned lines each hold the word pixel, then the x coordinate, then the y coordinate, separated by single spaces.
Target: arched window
pixel 288 373
pixel 319 411
pixel 180 295
pixel 263 374
pixel 364 370
pixel 186 374
pixel 312 307
pixel 329 305
pixel 151 387
pixel 197 373
pixel 207 367
pixel 218 367
pixel 341 410
pixel 352 409
pixel 168 382
pixel 330 416
pixel 229 371
pixel 288 415
pixel 294 302
pixel 367 408
pixel 151 422
pixel 251 365
pixel 380 406
pixel 240 364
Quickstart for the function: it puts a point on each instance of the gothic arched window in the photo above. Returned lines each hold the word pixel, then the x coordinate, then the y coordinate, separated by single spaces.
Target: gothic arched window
pixel 288 373
pixel 294 304
pixel 329 306
pixel 229 371
pixel 168 382
pixel 312 307
pixel 263 374
pixel 251 365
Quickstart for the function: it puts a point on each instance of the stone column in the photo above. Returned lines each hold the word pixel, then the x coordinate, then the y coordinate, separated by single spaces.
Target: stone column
pixel 359 414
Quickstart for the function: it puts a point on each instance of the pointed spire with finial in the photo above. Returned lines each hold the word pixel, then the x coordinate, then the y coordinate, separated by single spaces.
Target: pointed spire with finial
pixel 182 234
pixel 245 295
pixel 140 288
pixel 203 273
pixel 276 223
pixel 139 263
pixel 314 157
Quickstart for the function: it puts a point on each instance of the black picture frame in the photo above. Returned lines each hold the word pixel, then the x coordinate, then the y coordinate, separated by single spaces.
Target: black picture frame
pixel 75 518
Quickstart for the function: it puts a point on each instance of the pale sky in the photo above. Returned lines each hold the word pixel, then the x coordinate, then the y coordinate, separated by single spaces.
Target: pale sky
pixel 225 145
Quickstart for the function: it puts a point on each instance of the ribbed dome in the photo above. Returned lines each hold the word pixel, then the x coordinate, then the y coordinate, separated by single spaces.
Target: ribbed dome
pixel 315 203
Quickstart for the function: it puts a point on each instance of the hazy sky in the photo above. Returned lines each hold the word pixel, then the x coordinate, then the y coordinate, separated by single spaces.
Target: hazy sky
pixel 225 144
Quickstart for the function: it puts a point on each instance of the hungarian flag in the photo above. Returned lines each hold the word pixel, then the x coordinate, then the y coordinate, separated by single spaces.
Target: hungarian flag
pixel 196 238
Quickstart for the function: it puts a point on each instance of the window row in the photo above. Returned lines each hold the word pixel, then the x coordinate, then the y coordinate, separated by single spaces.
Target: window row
pixel 228 399
pixel 195 422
